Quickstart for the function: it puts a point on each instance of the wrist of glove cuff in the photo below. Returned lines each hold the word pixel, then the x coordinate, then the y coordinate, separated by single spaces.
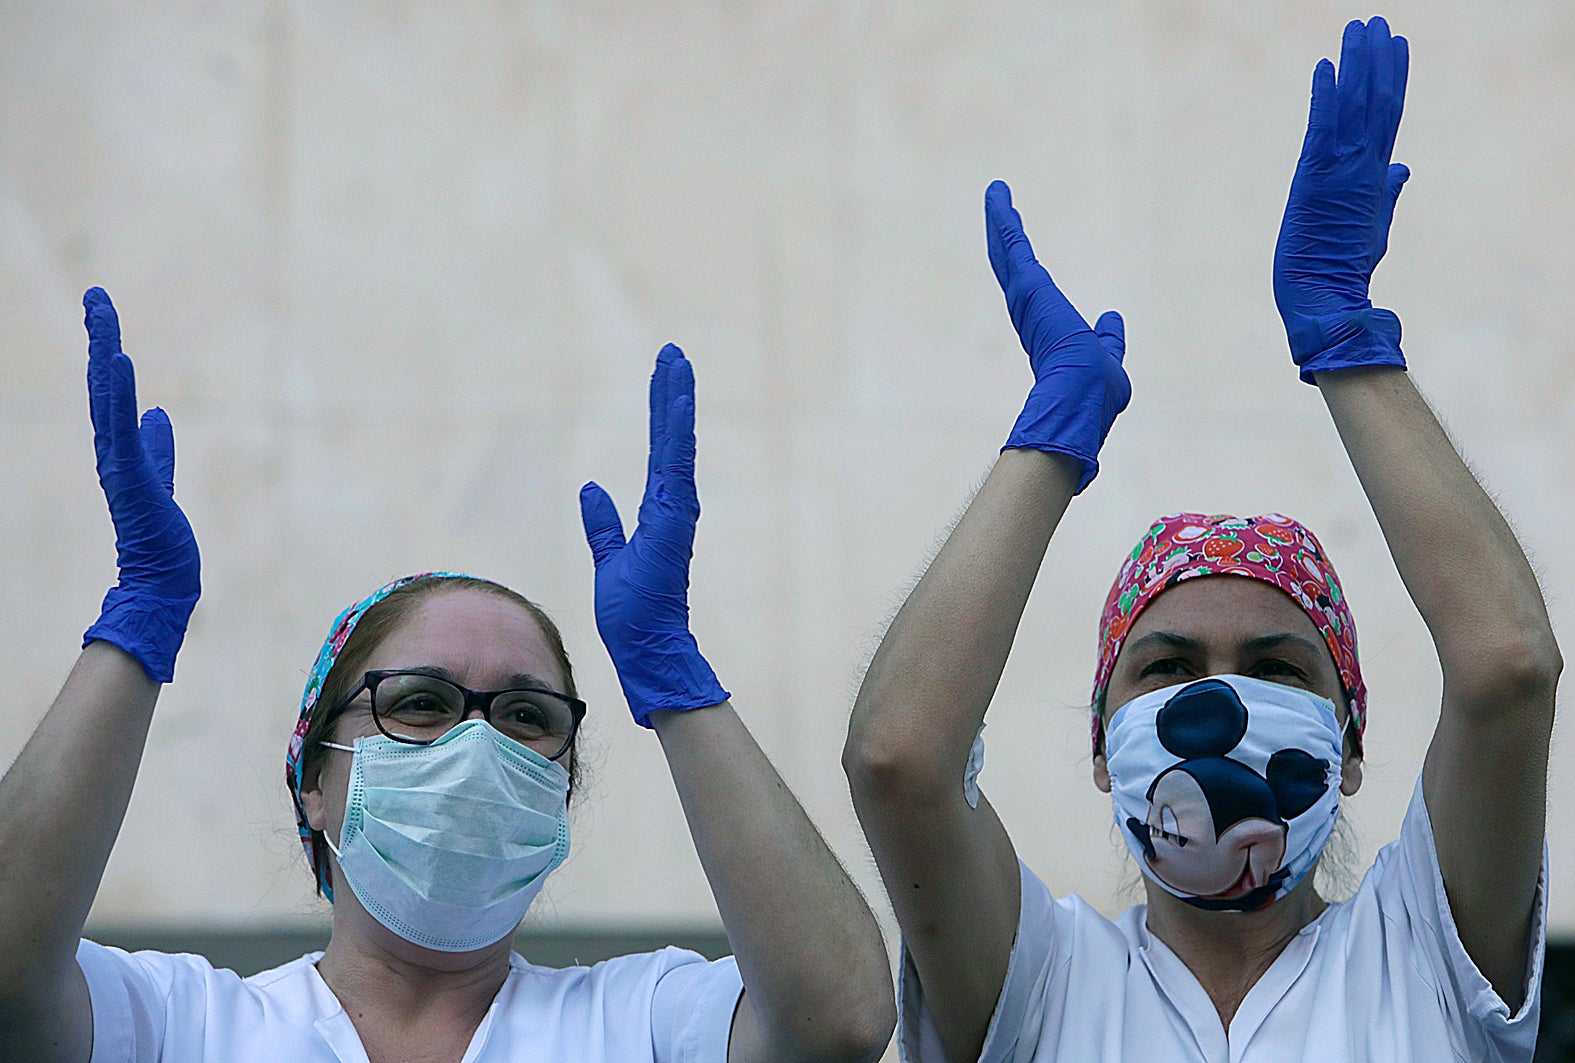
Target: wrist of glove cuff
pixel 666 673
pixel 1352 340
pixel 149 628
pixel 1360 352
pixel 1090 465
pixel 1066 419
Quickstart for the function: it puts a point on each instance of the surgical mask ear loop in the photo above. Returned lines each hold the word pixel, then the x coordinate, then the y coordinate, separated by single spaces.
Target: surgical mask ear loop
pixel 348 749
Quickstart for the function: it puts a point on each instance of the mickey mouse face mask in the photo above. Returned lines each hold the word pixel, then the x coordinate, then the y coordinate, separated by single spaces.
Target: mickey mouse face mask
pixel 1226 789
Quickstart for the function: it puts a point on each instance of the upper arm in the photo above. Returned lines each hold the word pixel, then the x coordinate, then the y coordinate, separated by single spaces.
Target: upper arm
pixel 954 883
pixel 1485 783
pixel 51 1023
pixel 1485 780
pixel 949 868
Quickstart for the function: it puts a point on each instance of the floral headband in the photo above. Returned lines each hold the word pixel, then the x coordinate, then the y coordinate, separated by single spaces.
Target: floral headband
pixel 338 635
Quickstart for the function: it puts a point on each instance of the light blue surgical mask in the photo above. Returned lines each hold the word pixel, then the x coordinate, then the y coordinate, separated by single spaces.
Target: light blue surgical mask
pixel 447 844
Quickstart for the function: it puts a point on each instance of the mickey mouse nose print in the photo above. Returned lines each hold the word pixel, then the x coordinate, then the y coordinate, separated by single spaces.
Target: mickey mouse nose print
pixel 1213 827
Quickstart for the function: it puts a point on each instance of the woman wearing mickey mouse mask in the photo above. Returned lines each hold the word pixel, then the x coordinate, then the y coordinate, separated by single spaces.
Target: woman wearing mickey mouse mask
pixel 1228 707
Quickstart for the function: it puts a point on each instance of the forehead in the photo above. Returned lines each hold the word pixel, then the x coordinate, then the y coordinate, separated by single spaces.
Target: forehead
pixel 1223 611
pixel 482 638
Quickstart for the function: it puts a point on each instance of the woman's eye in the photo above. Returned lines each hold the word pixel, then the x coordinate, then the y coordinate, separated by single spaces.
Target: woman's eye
pixel 527 714
pixel 418 705
pixel 1165 666
pixel 1277 667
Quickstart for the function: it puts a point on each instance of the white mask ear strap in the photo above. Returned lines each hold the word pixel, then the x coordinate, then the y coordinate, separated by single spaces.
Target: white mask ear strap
pixel 326 838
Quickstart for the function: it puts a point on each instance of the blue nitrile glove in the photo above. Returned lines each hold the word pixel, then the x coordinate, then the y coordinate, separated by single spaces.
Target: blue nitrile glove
pixel 1079 385
pixel 642 586
pixel 146 612
pixel 1336 225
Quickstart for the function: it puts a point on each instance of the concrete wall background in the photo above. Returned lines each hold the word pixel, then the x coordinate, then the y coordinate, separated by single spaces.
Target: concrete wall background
pixel 398 271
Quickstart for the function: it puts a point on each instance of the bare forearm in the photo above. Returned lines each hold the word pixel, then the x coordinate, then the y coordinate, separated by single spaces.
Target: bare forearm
pixel 809 950
pixel 937 668
pixel 61 805
pixel 1458 558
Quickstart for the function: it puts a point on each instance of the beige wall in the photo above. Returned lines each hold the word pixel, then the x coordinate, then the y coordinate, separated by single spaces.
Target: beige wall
pixel 398 270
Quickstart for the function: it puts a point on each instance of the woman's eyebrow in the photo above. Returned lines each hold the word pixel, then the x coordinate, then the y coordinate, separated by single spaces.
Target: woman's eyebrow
pixel 1168 640
pixel 437 671
pixel 525 679
pixel 518 679
pixel 1265 643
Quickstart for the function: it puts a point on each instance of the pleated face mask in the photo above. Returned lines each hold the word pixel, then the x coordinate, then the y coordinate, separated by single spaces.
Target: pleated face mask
pixel 447 844
pixel 1226 789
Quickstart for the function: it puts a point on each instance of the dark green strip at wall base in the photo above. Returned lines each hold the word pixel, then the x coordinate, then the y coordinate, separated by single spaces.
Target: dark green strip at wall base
pixel 250 951
pixel 1556 1036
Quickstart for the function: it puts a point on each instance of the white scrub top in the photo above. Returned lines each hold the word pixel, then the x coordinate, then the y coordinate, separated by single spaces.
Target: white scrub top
pixel 1382 976
pixel 670 1006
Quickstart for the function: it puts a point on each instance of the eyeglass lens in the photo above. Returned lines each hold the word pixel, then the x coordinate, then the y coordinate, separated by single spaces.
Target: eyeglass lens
pixel 424 708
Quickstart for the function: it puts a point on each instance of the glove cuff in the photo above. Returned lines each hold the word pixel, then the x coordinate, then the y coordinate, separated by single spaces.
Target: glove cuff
pixel 1348 340
pixel 149 628
pixel 1059 418
pixel 1090 465
pixel 670 676
pixel 1364 350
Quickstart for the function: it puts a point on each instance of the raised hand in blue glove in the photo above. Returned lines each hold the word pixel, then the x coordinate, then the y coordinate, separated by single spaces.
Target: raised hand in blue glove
pixel 1079 384
pixel 1336 225
pixel 146 612
pixel 642 585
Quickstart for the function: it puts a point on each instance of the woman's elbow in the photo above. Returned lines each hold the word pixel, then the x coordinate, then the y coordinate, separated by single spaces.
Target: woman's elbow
pixel 884 758
pixel 856 1029
pixel 1550 664
pixel 878 768
pixel 866 1040
pixel 1509 676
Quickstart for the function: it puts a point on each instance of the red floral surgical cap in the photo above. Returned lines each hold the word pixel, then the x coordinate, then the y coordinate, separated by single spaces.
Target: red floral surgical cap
pixel 1268 547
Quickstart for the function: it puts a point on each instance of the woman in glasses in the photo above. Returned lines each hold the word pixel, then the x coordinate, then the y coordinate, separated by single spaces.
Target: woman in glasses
pixel 430 772
pixel 1227 708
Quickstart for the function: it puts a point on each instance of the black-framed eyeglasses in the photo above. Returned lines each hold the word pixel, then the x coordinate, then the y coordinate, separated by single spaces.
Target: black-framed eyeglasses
pixel 418 708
